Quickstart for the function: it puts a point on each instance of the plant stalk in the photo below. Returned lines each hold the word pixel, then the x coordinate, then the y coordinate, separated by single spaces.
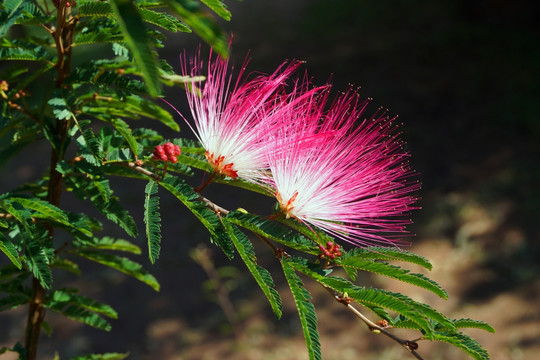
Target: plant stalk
pixel 63 38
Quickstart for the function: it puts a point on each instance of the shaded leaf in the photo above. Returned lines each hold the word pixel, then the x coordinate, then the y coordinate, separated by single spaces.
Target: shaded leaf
pixel 138 41
pixel 38 262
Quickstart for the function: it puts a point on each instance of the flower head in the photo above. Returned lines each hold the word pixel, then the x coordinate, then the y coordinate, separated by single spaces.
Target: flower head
pixel 226 115
pixel 346 176
pixel 167 152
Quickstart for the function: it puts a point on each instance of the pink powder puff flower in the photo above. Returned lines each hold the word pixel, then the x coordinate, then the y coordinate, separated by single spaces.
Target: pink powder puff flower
pixel 226 117
pixel 347 177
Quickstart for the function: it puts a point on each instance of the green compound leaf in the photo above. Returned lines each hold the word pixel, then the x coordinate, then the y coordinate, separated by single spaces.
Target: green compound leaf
pixel 45 210
pixel 470 323
pixel 395 272
pixel 92 144
pixel 219 8
pixel 107 243
pixel 80 314
pixel 152 220
pixel 306 310
pixel 122 264
pixel 260 274
pixel 202 24
pixel 138 41
pixel 383 253
pixel 38 262
pixel 99 78
pixel 123 128
pixel 207 217
pixel 464 342
pixel 91 188
pixel 95 8
pixel 13 11
pixel 22 50
pixel 106 356
pixel 130 106
pixel 163 20
pixel 96 37
pixel 403 323
pixel 272 231
pixel 421 314
pixel 11 252
pixel 58 299
pixel 117 214
pixel 42 209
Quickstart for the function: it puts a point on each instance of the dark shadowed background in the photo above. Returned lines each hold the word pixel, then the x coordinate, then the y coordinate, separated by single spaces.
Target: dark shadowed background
pixel 464 78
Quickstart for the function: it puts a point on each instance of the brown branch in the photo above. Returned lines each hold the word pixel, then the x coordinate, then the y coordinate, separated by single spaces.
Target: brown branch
pixel 409 345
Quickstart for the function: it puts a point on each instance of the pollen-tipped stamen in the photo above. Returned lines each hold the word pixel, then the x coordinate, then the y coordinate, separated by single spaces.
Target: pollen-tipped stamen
pixel 219 167
pixel 287 207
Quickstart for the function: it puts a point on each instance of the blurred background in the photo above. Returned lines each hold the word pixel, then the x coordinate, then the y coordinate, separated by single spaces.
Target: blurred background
pixel 464 78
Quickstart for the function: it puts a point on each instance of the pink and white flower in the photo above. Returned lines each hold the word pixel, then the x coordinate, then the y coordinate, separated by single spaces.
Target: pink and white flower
pixel 226 115
pixel 337 172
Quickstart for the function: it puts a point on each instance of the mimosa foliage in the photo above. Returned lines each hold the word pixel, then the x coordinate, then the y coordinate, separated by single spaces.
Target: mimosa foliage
pixel 86 109
pixel 152 221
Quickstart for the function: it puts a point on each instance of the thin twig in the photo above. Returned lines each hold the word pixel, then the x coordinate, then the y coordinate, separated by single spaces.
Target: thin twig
pixel 140 169
pixel 373 326
pixel 24 111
